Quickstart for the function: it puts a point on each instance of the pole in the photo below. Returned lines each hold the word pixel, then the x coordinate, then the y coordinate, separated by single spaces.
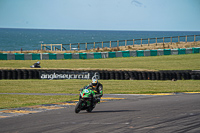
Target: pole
pixel 94 44
pixel 163 40
pixel 102 44
pixel 133 42
pixel 117 43
pixel 141 42
pixel 125 43
pixel 148 41
pixel 110 44
pixel 156 41
pixel 185 39
pixel 171 40
pixel 86 46
pixel 78 46
pixel 70 46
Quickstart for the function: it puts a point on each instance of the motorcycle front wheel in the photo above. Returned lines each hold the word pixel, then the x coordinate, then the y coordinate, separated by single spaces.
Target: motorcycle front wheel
pixel 78 107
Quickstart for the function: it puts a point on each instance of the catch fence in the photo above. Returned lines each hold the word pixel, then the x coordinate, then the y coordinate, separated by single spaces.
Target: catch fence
pixel 111 44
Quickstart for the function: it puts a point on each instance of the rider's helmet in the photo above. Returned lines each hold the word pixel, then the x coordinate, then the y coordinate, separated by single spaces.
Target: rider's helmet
pixel 94 82
pixel 38 63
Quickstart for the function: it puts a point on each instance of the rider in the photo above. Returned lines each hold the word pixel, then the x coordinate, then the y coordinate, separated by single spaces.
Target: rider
pixel 36 65
pixel 98 87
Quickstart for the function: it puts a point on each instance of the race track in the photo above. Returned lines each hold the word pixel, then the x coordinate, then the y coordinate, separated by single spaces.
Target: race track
pixel 136 113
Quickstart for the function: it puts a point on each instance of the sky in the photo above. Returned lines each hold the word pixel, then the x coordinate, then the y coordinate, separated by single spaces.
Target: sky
pixel 142 15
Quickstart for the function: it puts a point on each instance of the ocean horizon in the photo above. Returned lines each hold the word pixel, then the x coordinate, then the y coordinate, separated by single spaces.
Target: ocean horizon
pixel 15 39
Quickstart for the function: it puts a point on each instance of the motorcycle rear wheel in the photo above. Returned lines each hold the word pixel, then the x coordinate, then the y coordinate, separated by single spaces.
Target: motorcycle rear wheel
pixel 89 109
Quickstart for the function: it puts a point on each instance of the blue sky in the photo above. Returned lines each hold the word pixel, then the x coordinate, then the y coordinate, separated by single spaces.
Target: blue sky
pixel 151 15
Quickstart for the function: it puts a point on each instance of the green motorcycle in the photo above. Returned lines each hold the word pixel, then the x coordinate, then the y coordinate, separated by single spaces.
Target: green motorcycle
pixel 86 101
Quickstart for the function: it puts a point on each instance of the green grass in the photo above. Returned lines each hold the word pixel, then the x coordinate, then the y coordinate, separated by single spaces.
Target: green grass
pixel 172 62
pixel 72 86
pixel 169 62
pixel 13 101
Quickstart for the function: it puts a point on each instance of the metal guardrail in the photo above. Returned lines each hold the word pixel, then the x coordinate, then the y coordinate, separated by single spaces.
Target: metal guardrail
pixel 110 44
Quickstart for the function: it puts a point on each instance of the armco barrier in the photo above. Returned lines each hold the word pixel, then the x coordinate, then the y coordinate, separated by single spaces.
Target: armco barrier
pixel 101 74
pixel 98 55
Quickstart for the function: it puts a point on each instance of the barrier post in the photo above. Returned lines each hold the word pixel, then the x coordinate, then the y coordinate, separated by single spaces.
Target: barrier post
pixel 70 46
pixel 185 39
pixel 163 42
pixel 156 41
pixel 178 38
pixel 86 46
pixel 78 46
pixel 110 44
pixel 102 44
pixel 148 41
pixel 117 43
pixel 141 42
pixel 51 47
pixel 94 44
pixel 133 42
pixel 171 40
pixel 41 46
pixel 194 38
pixel 61 47
pixel 125 43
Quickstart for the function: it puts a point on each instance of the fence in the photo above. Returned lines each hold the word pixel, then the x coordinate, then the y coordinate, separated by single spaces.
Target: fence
pixel 97 55
pixel 110 44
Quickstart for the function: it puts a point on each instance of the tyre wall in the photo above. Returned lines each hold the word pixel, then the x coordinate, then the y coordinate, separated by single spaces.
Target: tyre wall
pixel 102 74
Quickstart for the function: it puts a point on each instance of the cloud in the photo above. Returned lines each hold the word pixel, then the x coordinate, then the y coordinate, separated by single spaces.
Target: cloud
pixel 137 3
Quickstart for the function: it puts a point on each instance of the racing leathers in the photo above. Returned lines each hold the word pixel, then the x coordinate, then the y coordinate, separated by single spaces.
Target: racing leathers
pixel 98 89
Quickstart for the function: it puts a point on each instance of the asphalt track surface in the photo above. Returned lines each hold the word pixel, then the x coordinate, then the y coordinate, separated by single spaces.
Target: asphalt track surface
pixel 136 113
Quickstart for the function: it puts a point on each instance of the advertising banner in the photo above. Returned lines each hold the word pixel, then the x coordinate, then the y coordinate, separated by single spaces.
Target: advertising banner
pixel 68 75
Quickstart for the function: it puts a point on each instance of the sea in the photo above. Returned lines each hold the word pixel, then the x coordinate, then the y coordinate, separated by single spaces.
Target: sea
pixel 31 39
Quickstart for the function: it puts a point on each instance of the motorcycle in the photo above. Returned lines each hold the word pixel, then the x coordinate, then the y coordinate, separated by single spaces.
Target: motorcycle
pixel 86 101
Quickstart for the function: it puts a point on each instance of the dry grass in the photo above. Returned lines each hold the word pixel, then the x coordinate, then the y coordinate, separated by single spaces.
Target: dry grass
pixel 121 48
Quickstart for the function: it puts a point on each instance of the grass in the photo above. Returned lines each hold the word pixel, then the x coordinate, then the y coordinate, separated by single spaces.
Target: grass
pixel 13 101
pixel 168 62
pixel 72 86
pixel 172 62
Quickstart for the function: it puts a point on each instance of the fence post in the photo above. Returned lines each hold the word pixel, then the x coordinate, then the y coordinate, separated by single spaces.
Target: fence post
pixel 178 38
pixel 41 46
pixel 86 46
pixel 70 46
pixel 163 40
pixel 194 38
pixel 117 43
pixel 110 44
pixel 148 41
pixel 185 39
pixel 133 42
pixel 51 46
pixel 61 47
pixel 156 41
pixel 78 46
pixel 171 40
pixel 141 42
pixel 94 44
pixel 125 43
pixel 102 44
